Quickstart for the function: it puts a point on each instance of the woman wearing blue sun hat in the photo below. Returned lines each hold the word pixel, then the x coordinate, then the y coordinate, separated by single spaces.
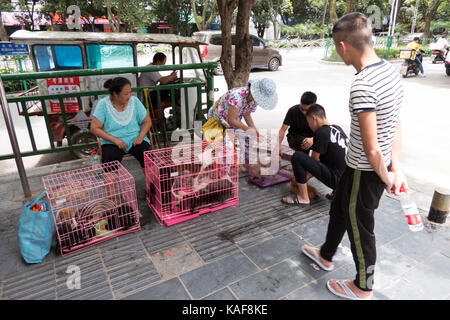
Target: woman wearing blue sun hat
pixel 241 102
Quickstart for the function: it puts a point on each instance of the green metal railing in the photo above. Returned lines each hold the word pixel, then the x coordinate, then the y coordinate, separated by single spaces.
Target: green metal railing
pixel 201 88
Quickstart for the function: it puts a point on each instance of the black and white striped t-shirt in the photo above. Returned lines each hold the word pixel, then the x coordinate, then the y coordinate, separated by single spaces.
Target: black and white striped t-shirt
pixel 376 88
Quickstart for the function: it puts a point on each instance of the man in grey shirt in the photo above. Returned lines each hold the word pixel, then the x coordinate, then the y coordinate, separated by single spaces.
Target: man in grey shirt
pixel 148 79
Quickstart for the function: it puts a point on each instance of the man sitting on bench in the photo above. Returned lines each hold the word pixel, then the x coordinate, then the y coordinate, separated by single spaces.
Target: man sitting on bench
pixel 327 161
pixel 149 79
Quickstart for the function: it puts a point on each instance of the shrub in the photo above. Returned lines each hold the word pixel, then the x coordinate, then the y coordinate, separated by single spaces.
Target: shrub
pixel 15 86
pixel 394 53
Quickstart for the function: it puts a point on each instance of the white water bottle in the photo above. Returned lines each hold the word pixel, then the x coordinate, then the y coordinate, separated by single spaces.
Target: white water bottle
pixel 95 159
pixel 411 212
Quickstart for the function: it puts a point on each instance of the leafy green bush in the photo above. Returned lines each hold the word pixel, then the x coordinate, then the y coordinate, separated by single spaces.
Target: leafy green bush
pixel 333 56
pixel 15 86
pixel 394 53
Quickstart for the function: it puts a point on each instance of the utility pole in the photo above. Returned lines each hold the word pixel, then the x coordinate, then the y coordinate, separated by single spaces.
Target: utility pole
pixel 395 16
pixel 14 141
pixel 393 19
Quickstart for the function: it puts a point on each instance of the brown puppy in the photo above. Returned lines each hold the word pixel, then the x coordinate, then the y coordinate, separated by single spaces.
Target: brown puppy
pixel 312 192
pixel 256 171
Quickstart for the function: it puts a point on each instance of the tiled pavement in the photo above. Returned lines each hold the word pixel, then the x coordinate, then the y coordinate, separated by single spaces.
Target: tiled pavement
pixel 251 251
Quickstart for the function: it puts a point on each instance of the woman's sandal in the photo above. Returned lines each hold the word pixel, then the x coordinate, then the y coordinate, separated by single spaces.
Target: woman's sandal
pixel 293 201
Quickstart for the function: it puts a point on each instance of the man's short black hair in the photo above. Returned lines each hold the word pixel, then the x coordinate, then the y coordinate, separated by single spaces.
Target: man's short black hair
pixel 318 110
pixel 416 38
pixel 159 57
pixel 355 29
pixel 308 98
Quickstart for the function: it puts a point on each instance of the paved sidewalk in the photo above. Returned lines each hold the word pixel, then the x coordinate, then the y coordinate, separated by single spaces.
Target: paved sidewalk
pixel 251 251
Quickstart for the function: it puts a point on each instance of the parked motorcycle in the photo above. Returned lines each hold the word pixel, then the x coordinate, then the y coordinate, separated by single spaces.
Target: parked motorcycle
pixel 438 56
pixel 410 65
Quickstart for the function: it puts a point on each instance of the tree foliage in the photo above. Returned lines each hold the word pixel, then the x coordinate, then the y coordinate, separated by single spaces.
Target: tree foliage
pixel 260 16
pixel 122 15
pixel 28 7
pixel 206 7
pixel 59 8
pixel 132 13
pixel 428 15
pixel 174 12
pixel 5 6
pixel 278 7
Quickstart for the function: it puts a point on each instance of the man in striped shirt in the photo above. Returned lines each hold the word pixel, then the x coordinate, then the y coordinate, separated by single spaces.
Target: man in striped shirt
pixel 376 96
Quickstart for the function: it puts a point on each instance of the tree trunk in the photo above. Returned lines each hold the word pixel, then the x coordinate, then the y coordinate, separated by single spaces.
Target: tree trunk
pixel 429 14
pixel 226 9
pixel 260 29
pixel 350 6
pixel 213 14
pixel 32 14
pixel 3 34
pixel 333 14
pixel 322 34
pixel 113 21
pixel 273 16
pixel 204 23
pixel 194 11
pixel 243 48
pixel 275 31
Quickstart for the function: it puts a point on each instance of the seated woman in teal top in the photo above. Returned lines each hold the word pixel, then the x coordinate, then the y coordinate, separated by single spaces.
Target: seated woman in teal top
pixel 121 122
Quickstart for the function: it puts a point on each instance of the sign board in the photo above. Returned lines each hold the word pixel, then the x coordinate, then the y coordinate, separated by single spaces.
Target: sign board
pixel 12 49
pixel 61 86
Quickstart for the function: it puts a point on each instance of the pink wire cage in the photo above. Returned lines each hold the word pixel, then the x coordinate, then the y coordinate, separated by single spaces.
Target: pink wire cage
pixel 188 180
pixel 92 204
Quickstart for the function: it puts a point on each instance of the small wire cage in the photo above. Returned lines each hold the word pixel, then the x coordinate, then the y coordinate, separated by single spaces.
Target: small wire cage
pixel 92 204
pixel 191 179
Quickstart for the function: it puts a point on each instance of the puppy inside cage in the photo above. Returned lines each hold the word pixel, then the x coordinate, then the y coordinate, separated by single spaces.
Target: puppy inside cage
pixel 92 204
pixel 203 180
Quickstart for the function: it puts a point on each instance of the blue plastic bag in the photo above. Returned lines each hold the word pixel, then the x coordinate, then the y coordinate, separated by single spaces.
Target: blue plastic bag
pixel 36 230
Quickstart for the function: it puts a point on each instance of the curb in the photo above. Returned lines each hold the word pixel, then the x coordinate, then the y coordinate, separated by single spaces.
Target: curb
pixel 47 170
pixel 44 170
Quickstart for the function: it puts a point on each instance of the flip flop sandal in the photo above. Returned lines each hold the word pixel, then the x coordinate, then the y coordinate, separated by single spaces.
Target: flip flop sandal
pixel 294 202
pixel 314 257
pixel 349 294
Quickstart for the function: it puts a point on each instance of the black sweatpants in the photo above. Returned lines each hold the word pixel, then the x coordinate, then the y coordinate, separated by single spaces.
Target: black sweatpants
pixel 301 163
pixel 356 198
pixel 111 152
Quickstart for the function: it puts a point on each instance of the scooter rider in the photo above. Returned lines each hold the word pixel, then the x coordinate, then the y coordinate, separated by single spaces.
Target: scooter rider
pixel 416 46
pixel 442 44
